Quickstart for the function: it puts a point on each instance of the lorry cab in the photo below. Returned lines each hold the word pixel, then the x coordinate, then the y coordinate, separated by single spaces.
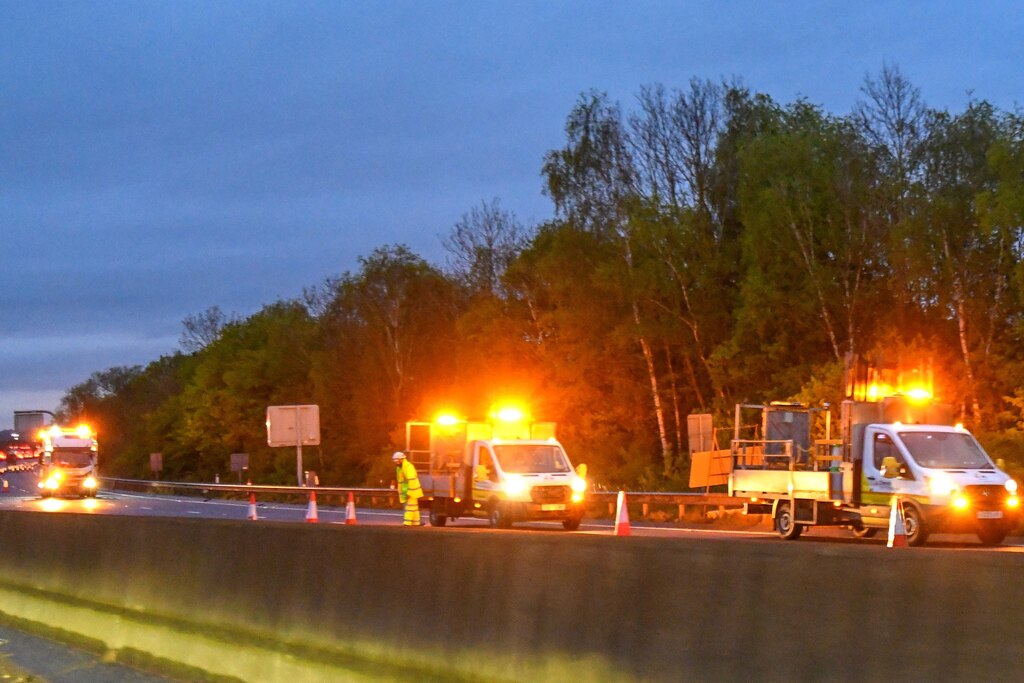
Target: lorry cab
pixel 945 478
pixel 68 463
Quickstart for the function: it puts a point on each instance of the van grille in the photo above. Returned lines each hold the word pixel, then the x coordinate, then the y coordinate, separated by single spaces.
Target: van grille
pixel 986 495
pixel 549 494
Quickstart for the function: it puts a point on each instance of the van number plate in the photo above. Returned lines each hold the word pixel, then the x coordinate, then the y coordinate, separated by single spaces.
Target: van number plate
pixel 561 506
pixel 990 514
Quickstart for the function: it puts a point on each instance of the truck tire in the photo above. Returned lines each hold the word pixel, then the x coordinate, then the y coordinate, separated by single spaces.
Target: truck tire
pixel 499 516
pixel 864 531
pixel 785 525
pixel 992 533
pixel 913 522
pixel 437 516
pixel 572 524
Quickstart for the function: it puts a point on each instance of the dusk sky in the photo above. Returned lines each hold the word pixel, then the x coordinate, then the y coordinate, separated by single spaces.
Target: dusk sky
pixel 157 159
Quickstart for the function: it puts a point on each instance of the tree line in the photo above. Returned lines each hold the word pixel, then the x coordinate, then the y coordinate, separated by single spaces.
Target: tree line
pixel 708 246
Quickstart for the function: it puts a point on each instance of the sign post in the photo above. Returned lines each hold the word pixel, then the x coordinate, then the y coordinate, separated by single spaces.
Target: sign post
pixel 294 426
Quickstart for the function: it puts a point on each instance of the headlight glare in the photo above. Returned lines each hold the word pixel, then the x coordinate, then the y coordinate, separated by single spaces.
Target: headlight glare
pixel 515 486
pixel 1011 485
pixel 942 486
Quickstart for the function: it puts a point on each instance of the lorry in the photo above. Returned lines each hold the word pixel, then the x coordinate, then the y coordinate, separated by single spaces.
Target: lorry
pixel 69 461
pixel 896 446
pixel 506 469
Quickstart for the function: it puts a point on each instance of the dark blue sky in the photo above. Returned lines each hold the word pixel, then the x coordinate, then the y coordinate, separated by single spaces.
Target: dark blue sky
pixel 160 158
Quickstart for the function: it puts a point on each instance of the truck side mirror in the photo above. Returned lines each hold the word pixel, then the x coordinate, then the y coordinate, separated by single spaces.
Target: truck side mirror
pixel 581 470
pixel 480 473
pixel 890 467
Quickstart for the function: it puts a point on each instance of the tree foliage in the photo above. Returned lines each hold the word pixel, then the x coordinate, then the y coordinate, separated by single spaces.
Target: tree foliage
pixel 708 246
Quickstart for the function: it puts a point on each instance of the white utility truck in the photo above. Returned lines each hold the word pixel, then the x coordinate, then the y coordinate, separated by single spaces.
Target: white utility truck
pixel 69 462
pixel 507 469
pixel 895 443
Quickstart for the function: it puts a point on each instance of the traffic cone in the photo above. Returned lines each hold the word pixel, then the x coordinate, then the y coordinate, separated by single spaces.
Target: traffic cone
pixel 622 516
pixel 311 510
pixel 252 504
pixel 897 525
pixel 350 510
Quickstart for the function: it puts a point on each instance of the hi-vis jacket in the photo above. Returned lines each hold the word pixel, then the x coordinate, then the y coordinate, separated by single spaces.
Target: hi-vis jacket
pixel 408 482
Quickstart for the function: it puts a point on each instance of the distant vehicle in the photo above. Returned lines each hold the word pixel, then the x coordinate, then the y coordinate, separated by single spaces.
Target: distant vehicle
pixel 69 462
pixel 19 451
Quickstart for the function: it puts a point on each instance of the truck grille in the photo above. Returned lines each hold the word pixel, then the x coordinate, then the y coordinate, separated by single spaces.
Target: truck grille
pixel 549 494
pixel 986 495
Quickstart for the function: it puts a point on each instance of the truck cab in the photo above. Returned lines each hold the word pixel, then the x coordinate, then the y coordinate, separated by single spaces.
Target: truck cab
pixel 508 469
pixel 69 462
pixel 945 478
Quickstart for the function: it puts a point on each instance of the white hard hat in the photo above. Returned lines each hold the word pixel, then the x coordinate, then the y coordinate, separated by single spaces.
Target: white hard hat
pixel 397 455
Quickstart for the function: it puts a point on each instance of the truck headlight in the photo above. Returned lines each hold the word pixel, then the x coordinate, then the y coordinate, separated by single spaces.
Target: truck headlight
pixel 578 484
pixel 89 483
pixel 942 486
pixel 514 486
pixel 53 483
pixel 1011 485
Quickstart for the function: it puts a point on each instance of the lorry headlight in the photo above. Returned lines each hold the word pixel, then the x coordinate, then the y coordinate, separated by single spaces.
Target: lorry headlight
pixel 942 486
pixel 1011 485
pixel 515 486
pixel 579 484
pixel 53 483
pixel 90 482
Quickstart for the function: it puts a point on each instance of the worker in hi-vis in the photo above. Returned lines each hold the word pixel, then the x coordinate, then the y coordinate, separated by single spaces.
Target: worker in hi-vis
pixel 409 489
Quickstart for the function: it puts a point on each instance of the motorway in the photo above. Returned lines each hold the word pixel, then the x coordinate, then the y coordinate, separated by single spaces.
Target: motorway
pixel 22 495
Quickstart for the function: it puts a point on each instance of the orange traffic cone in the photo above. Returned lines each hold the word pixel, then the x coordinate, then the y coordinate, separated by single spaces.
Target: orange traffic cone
pixel 252 504
pixel 350 510
pixel 311 510
pixel 622 516
pixel 897 525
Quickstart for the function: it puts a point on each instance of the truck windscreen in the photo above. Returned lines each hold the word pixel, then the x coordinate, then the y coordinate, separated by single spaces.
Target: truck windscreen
pixel 531 459
pixel 72 458
pixel 945 450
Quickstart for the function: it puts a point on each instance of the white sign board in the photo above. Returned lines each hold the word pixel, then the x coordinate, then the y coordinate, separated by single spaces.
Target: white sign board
pixel 286 424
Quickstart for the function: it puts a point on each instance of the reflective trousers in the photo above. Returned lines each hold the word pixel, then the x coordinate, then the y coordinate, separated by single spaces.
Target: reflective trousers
pixel 412 512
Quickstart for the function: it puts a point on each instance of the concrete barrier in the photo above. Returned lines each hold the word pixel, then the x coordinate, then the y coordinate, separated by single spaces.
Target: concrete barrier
pixel 272 601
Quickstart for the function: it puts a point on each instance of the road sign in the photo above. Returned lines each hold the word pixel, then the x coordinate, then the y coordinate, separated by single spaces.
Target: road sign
pixel 294 426
pixel 286 423
pixel 239 462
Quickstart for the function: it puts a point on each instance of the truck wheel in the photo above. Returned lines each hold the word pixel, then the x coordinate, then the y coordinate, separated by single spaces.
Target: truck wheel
pixel 572 524
pixel 913 522
pixel 784 524
pixel 499 517
pixel 992 534
pixel 437 516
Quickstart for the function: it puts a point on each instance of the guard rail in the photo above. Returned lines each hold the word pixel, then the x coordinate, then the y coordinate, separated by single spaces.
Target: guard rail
pixel 374 495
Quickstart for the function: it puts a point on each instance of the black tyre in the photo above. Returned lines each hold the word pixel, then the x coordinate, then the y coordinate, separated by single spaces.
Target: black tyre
pixel 437 516
pixel 499 516
pixel 785 525
pixel 913 522
pixel 865 532
pixel 992 533
pixel 572 524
